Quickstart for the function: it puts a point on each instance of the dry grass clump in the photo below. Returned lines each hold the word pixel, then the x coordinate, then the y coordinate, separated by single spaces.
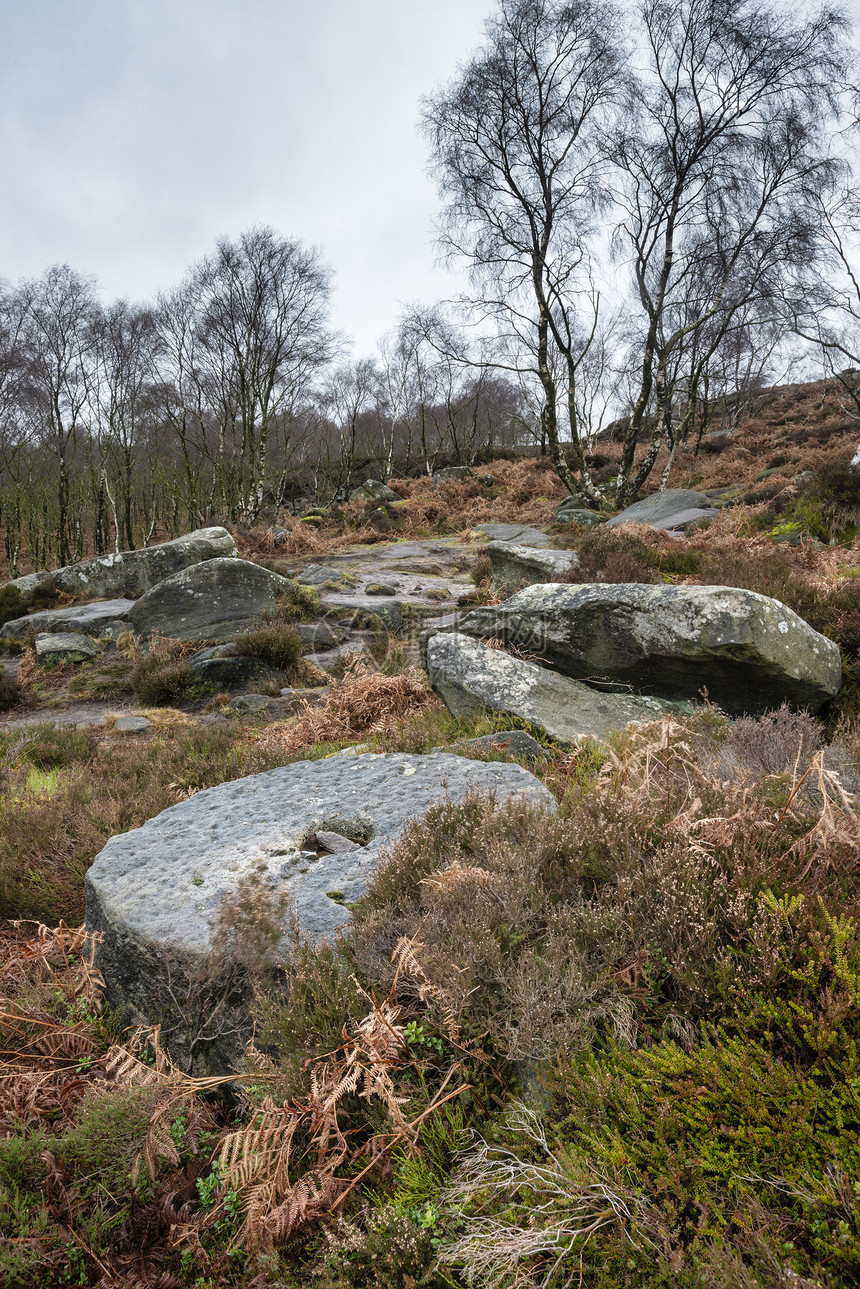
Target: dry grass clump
pixel 363 703
pixel 161 676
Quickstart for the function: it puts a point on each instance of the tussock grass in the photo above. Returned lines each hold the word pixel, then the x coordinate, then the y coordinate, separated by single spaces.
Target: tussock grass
pixel 366 702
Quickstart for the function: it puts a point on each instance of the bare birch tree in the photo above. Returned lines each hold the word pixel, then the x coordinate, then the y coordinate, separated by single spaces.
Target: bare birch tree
pixel 517 146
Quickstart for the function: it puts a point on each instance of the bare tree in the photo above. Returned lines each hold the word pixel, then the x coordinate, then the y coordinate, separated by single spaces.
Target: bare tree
pixel 126 352
pixel 349 398
pixel 59 337
pixel 724 145
pixel 262 326
pixel 824 299
pixel 516 141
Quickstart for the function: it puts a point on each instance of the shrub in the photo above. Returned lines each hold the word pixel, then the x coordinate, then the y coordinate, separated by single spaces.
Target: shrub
pixel 10 692
pixel 12 604
pixel 836 487
pixel 297 603
pixel 395 1252
pixel 609 555
pixel 275 643
pixel 54 747
pixel 44 596
pixel 160 683
pixel 693 1168
pixel 481 570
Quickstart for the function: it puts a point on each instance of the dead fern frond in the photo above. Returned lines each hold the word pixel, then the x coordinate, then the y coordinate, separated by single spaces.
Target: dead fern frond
pixel 361 703
pixel 406 959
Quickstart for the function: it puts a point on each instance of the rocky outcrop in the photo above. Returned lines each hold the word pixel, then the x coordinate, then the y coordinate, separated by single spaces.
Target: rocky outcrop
pixel 749 652
pixel 134 572
pixel 103 618
pixel 153 892
pixel 517 566
pixel 211 601
pixel 673 510
pixel 471 678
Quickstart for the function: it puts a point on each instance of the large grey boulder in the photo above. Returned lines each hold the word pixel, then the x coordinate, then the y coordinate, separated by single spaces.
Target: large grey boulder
pixel 102 618
pixel 211 601
pixel 470 678
pixel 133 572
pixel 522 534
pixel 750 652
pixel 673 510
pixel 153 892
pixel 517 566
pixel 64 646
pixel 374 490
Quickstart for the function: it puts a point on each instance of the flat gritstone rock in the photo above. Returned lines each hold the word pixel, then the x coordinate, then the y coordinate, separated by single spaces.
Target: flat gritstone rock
pixel 157 888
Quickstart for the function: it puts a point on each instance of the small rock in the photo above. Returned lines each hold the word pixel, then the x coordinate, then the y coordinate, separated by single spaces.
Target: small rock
pixel 318 575
pixel 438 593
pixel 336 844
pixel 230 671
pixel 517 566
pixel 54 648
pixel 131 725
pixel 380 520
pixel 248 704
pixel 318 635
pixel 379 588
pixel 574 513
pixel 517 742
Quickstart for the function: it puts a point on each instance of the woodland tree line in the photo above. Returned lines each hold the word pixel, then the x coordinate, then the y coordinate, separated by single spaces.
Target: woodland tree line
pixel 657 212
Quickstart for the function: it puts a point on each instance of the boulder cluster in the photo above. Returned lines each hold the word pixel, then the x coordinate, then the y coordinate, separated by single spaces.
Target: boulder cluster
pixel 571 661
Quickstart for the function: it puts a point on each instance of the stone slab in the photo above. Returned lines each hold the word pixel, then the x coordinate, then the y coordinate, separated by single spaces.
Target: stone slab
pixel 522 534
pixel 471 678
pixel 64 646
pixel 102 617
pixel 161 885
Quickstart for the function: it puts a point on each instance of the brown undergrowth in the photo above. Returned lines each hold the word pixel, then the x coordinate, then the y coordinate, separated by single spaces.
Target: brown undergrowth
pixel 364 702
pixel 693 899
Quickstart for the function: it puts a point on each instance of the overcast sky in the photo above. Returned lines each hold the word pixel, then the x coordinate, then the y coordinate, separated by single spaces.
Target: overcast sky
pixel 135 132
